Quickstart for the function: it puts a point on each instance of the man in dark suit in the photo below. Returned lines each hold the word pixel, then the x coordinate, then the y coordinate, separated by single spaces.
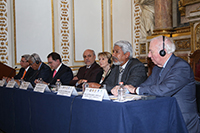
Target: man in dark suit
pixel 60 71
pixel 25 71
pixel 88 72
pixel 171 77
pixel 43 71
pixel 126 69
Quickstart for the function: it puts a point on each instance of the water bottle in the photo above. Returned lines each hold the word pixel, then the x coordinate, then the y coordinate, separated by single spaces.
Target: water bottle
pixel 58 84
pixel 40 80
pixel 121 92
pixel 12 79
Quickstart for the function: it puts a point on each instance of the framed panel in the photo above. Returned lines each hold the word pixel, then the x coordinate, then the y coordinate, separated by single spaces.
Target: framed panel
pixel 88 27
pixel 33 28
pixel 121 20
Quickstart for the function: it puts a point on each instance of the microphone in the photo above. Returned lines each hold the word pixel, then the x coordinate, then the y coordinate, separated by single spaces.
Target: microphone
pixel 11 73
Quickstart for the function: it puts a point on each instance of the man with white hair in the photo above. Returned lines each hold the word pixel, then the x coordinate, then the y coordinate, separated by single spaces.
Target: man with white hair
pixel 126 69
pixel 171 77
pixel 43 71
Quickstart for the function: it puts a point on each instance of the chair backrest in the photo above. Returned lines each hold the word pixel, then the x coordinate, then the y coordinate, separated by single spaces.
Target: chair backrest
pixel 195 64
pixel 150 66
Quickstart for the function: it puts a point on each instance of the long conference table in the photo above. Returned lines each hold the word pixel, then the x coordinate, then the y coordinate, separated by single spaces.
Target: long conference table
pixel 26 111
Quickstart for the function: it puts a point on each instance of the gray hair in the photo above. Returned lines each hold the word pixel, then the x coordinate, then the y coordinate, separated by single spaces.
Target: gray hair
pixel 35 57
pixel 26 56
pixel 169 44
pixel 125 46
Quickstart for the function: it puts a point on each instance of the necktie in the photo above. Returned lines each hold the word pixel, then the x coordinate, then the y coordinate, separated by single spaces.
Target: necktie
pixel 121 70
pixel 24 74
pixel 54 73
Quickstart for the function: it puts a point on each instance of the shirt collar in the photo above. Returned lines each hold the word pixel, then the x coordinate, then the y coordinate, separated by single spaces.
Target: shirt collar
pixel 124 66
pixel 40 66
pixel 58 67
pixel 27 68
pixel 166 62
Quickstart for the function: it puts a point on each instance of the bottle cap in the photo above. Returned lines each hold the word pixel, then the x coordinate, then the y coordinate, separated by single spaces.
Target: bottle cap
pixel 121 83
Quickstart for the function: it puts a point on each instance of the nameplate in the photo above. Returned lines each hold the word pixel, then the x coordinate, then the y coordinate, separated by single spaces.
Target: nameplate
pixel 2 83
pixel 95 94
pixel 25 85
pixel 12 84
pixel 41 88
pixel 67 91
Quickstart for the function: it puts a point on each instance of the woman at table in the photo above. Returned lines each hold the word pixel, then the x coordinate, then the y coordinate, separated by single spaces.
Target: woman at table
pixel 105 62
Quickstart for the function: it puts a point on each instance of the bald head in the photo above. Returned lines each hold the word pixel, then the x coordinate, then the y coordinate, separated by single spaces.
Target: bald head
pixel 89 57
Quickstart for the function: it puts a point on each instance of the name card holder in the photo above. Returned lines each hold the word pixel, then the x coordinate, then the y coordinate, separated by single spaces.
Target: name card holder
pixel 12 84
pixel 41 88
pixel 95 94
pixel 67 91
pixel 3 82
pixel 25 85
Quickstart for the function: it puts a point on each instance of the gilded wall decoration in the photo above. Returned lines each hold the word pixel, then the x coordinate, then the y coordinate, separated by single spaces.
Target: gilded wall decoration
pixel 136 27
pixel 184 58
pixel 183 3
pixel 3 32
pixel 143 48
pixel 189 2
pixel 64 30
pixel 183 44
pixel 197 37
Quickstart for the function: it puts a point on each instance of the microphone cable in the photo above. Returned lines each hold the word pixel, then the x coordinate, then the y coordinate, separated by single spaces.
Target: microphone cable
pixel 70 119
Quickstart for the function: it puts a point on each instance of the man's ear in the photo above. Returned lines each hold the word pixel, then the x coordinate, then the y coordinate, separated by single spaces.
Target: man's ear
pixel 127 54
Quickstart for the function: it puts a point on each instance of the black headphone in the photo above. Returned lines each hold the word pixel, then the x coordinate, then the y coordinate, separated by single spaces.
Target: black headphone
pixel 36 61
pixel 109 60
pixel 162 52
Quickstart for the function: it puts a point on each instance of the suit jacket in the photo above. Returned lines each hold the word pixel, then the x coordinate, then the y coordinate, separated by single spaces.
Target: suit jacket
pixel 176 80
pixel 64 74
pixel 27 76
pixel 134 74
pixel 88 74
pixel 44 72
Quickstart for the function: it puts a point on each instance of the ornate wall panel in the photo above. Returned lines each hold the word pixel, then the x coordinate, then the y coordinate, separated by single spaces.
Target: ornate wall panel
pixel 183 44
pixel 197 37
pixel 33 28
pixel 3 32
pixel 64 31
pixel 88 27
pixel 136 28
pixel 143 48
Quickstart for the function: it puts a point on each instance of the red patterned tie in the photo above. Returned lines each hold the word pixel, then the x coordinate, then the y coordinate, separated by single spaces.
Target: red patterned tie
pixel 54 73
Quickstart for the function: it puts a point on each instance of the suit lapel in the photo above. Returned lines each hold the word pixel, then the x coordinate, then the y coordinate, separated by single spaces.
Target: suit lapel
pixel 167 67
pixel 125 73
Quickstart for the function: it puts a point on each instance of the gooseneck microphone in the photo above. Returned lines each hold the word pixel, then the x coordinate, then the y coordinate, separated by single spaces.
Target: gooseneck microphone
pixel 11 72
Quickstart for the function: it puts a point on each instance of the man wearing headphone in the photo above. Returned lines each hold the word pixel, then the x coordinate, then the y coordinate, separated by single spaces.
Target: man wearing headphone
pixel 171 77
pixel 126 69
pixel 43 71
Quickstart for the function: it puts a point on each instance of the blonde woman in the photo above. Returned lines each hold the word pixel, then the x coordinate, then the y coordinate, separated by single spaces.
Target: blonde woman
pixel 105 62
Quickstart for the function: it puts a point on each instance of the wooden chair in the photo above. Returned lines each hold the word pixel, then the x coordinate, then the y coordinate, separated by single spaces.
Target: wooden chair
pixel 195 64
pixel 150 66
